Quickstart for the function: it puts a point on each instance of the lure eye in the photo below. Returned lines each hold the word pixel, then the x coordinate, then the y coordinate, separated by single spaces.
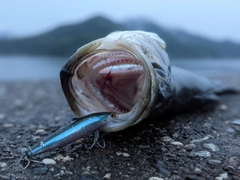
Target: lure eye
pixel 114 114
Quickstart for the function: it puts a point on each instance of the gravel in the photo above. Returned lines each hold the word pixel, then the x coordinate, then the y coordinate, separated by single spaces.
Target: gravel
pixel 203 144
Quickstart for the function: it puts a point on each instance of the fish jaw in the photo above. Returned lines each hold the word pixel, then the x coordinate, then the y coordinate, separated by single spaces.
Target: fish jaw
pixel 109 81
pixel 115 74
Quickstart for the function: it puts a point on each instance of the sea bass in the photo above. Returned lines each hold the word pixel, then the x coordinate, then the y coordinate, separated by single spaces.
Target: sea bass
pixel 129 73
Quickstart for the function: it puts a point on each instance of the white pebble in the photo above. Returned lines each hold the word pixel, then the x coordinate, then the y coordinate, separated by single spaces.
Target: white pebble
pixel 155 178
pixel 166 139
pixel 201 153
pixel 190 146
pixel 39 131
pixel 177 143
pixel 7 125
pixel 198 170
pixel 211 147
pixel 107 176
pixel 224 175
pixel 125 154
pixel 200 140
pixel 223 107
pixel 118 153
pixel 3 164
pixel 218 178
pixel 61 157
pixel 48 161
pixel 236 122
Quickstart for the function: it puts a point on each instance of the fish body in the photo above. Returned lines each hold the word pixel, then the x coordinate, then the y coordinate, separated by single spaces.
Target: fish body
pixel 129 73
pixel 79 128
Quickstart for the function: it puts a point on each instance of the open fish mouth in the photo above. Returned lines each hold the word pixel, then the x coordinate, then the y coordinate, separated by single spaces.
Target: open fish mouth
pixel 117 74
pixel 108 81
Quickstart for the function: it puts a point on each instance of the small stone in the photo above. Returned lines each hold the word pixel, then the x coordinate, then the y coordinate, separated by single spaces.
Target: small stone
pixel 88 168
pixel 3 164
pixel 107 176
pixel 230 130
pixel 57 175
pixel 200 140
pixel 236 122
pixel 164 149
pixel 214 162
pixel 190 146
pixel 176 143
pixel 218 178
pixel 67 158
pixel 223 107
pixel 62 173
pixel 40 131
pixel 48 161
pixel 207 125
pixel 7 125
pixel 224 175
pixel 64 159
pixel 201 154
pixel 211 147
pixel 58 118
pixel 51 169
pixel 118 153
pixel 155 178
pixel 125 154
pixel 166 139
pixel 69 172
pixel 198 170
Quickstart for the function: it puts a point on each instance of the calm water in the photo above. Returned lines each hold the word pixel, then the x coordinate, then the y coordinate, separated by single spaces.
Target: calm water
pixel 30 67
pixel 33 68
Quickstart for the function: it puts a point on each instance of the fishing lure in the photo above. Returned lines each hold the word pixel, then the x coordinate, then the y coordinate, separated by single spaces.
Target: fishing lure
pixel 79 128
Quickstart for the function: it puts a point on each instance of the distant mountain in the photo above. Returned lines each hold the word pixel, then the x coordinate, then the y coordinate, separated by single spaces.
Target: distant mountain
pixel 181 44
pixel 65 40
pixel 62 41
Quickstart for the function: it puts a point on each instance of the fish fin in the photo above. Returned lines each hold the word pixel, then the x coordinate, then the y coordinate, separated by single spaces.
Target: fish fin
pixel 208 97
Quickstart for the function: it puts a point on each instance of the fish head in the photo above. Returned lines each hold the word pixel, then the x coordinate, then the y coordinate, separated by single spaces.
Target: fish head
pixel 120 73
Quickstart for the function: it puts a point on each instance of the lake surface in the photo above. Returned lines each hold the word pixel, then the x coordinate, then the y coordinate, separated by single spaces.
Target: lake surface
pixel 34 68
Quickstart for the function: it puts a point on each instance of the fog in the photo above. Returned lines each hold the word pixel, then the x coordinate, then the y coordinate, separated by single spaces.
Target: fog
pixel 215 19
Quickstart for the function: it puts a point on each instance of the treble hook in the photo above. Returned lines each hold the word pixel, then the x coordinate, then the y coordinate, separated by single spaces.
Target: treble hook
pixel 25 157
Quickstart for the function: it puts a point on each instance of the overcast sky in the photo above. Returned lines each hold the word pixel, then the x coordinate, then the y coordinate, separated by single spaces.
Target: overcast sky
pixel 217 19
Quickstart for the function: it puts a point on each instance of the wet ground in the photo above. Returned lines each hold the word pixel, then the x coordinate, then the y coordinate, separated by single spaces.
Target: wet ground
pixel 203 144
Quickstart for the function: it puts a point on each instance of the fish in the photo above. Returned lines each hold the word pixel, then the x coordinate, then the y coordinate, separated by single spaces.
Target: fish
pixel 78 128
pixel 129 72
